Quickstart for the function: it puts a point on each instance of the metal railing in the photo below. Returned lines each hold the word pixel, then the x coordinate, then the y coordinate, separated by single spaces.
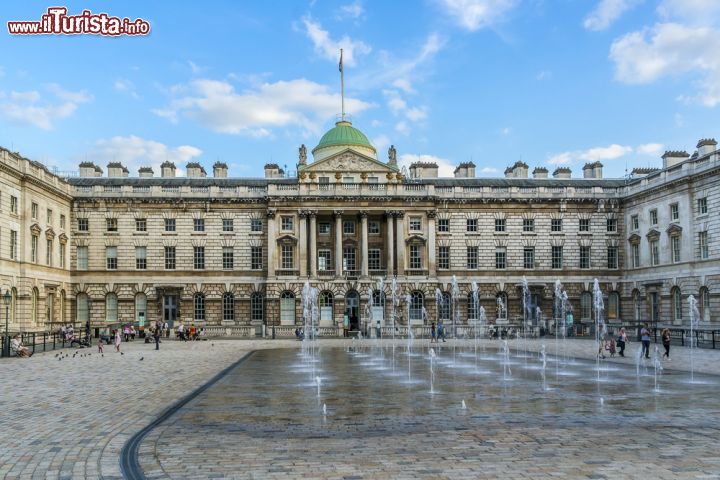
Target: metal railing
pixel 38 342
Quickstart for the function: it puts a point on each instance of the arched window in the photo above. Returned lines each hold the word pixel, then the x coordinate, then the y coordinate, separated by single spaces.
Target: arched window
pixel 416 306
pixel 34 306
pixel 704 304
pixel 636 306
pixel 256 306
pixel 501 306
pixel 228 304
pixel 83 308
pixel 445 307
pixel 586 306
pixel 676 298
pixel 287 308
pixel 326 306
pixel 613 311
pixel 472 306
pixel 199 306
pixel 111 307
pixel 140 308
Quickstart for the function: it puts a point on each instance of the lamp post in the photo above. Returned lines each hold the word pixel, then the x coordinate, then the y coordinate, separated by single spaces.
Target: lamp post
pixel 89 312
pixel 6 343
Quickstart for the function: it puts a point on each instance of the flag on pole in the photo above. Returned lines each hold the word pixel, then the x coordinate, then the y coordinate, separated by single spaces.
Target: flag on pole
pixel 341 65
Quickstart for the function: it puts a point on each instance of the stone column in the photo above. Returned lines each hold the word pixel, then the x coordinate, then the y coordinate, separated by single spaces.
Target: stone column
pixel 271 242
pixel 302 243
pixel 400 225
pixel 390 254
pixel 364 242
pixel 338 242
pixel 431 214
pixel 313 243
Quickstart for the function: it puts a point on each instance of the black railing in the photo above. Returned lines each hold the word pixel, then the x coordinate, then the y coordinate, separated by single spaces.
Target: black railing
pixel 38 342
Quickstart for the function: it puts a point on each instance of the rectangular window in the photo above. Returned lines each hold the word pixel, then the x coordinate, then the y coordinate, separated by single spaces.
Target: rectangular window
pixel 556 225
pixel 48 252
pixel 13 245
pixel 635 222
pixel 635 255
pixel 472 225
pixel 324 260
pixel 557 257
pixel 500 258
pixel 82 258
pixel 141 225
pixel 228 225
pixel 348 227
pixel 256 258
pixel 528 225
pixel 198 224
pixel 415 257
pixel 373 180
pixel 228 258
pixel 584 225
pixel 33 248
pixel 653 217
pixel 169 224
pixel 111 258
pixel 674 212
pixel 48 217
pixel 443 225
pixel 199 258
pixel 83 225
pixel 286 223
pixel 529 258
pixel 612 257
pixel 61 252
pixel 324 228
pixel 34 211
pixel 140 258
pixel 675 248
pixel 654 253
pixel 584 257
pixel 13 204
pixel 62 222
pixel 702 206
pixel 415 224
pixel 349 258
pixel 612 225
pixel 287 258
pixel 500 225
pixel 472 258
pixel 374 228
pixel 256 225
pixel 374 259
pixel 169 258
pixel 348 180
pixel 443 260
pixel 324 183
pixel 703 241
pixel 111 224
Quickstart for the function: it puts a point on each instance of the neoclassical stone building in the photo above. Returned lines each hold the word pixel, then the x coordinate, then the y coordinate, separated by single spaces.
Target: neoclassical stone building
pixel 236 252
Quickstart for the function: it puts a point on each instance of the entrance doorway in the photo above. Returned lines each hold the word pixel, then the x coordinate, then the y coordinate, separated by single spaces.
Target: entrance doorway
pixel 654 307
pixel 352 308
pixel 170 309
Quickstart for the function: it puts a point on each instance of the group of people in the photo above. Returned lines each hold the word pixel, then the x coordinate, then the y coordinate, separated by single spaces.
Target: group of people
pixel 437 333
pixel 189 333
pixel 612 345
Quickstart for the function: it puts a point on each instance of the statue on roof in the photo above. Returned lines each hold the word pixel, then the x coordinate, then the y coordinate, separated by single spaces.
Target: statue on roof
pixel 302 154
pixel 392 155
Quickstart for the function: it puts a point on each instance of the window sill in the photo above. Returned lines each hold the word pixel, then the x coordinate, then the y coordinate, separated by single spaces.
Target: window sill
pixel 198 234
pixel 169 234
pixel 532 234
pixel 112 234
pixel 557 233
pixel 584 233
pixel 251 233
pixel 140 234
pixel 502 234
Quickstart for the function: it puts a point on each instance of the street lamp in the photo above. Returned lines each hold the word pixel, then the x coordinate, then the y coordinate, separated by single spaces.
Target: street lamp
pixel 89 319
pixel 6 345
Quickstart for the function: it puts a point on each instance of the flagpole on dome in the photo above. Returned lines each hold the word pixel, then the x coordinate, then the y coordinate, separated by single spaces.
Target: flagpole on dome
pixel 342 86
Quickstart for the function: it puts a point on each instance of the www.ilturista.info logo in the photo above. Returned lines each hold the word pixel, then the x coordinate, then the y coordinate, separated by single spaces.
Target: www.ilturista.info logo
pixel 57 22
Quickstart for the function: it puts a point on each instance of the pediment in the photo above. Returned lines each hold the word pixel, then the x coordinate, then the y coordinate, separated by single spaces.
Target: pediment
pixel 287 240
pixel 674 229
pixel 634 238
pixel 349 161
pixel 653 234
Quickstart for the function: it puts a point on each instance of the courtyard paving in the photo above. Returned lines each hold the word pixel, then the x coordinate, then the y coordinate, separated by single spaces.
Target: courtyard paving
pixel 70 418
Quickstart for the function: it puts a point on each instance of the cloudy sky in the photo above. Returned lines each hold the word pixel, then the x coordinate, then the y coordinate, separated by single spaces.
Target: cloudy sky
pixel 550 82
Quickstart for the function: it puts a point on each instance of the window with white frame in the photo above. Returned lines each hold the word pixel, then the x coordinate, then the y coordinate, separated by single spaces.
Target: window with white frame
pixel 287 257
pixel 528 225
pixel 170 224
pixel 228 225
pixel 584 225
pixel 654 252
pixel 704 304
pixel 585 306
pixel 556 225
pixel 48 252
pixel 443 260
pixel 326 306
pixel 703 244
pixel 675 248
pixel 82 257
pixel 228 258
pixel 674 212
pixel 13 204
pixel 416 306
pixel 324 228
pixel 472 258
pixel 83 225
pixel 111 224
pixel 613 310
pixel 256 257
pixel 612 257
pixel 374 259
pixel 198 224
pixel 140 258
pixel 635 249
pixel 349 258
pixel 415 257
pixel 199 258
pixel 33 248
pixel 471 225
pixel 49 216
pixel 34 211
pixel 415 224
pixel 557 256
pixel 111 307
pixel 256 306
pixel 374 228
pixel 61 252
pixel 286 223
pixel 199 306
pixel 141 225
pixel 169 258
pixel 324 263
pixel 256 225
pixel 611 224
pixel 443 225
pixel 500 225
pixel 584 257
pixel 62 221
pixel 111 258
pixel 653 217
pixel 348 227
pixel 528 258
pixel 500 258
pixel 635 222
pixel 676 297
pixel 702 206
pixel 228 305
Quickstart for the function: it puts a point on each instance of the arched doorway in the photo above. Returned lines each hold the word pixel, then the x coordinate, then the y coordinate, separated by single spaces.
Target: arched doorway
pixel 352 309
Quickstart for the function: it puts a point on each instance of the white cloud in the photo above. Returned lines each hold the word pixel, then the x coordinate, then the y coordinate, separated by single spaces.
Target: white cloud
pixel 381 142
pixel 611 152
pixel 195 68
pixel 670 49
pixel 445 167
pixel 125 86
pixel 560 159
pixel 416 114
pixel 654 149
pixel 218 106
pixel 694 11
pixel 402 127
pixel 404 85
pixel 543 75
pixel 476 14
pixel 30 108
pixel 329 48
pixel 506 131
pixel 489 170
pixel 135 152
pixel 353 10
pixel 606 12
pixel 399 107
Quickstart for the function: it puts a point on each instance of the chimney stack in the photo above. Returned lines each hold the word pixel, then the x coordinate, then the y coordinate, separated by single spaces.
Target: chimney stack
pixel 273 170
pixel 145 172
pixel 540 172
pixel 167 170
pixel 220 170
pixel 562 173
pixel 673 157
pixel 423 170
pixel 593 170
pixel 465 170
pixel 195 170
pixel 117 169
pixel 89 169
pixel 520 169
pixel 706 146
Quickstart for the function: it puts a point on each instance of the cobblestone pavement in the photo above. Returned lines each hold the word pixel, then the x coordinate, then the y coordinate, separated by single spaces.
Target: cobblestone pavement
pixel 69 418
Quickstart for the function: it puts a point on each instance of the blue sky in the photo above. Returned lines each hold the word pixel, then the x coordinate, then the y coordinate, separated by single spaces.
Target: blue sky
pixel 551 82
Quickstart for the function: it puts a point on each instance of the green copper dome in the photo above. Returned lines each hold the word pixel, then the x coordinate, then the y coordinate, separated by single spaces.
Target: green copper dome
pixel 344 134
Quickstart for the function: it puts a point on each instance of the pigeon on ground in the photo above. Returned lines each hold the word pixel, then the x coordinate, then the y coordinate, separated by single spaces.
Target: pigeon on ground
pixel 142 358
pixel 122 353
pixel 59 359
pixel 102 355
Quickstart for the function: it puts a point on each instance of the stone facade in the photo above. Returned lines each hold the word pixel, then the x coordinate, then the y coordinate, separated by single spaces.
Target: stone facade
pixel 228 251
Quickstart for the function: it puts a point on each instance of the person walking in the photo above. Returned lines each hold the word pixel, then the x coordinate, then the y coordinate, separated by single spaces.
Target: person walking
pixel 645 339
pixel 441 332
pixel 432 333
pixel 166 329
pixel 117 340
pixel 158 333
pixel 666 342
pixel 346 325
pixel 622 338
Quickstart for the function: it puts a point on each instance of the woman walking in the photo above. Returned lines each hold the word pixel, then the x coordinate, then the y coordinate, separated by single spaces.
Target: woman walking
pixel 117 340
pixel 666 342
pixel 432 333
pixel 622 338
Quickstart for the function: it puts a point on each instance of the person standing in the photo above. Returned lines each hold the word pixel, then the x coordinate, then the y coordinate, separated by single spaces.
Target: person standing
pixel 645 339
pixel 666 342
pixel 441 332
pixel 346 325
pixel 158 333
pixel 117 340
pixel 166 329
pixel 432 333
pixel 622 338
